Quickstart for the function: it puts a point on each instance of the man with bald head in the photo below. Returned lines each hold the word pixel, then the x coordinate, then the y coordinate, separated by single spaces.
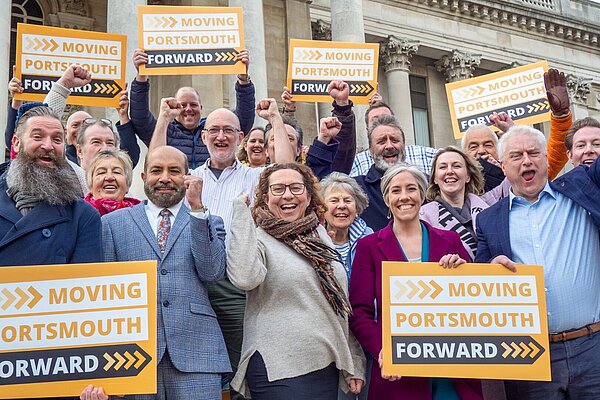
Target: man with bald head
pixel 189 246
pixel 185 129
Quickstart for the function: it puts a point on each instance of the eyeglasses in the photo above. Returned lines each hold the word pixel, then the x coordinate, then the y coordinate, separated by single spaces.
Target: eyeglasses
pixel 228 130
pixel 278 189
pixel 92 121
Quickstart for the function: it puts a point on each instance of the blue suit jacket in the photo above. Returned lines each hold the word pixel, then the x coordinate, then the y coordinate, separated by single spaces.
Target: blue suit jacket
pixel 582 185
pixel 48 234
pixel 194 255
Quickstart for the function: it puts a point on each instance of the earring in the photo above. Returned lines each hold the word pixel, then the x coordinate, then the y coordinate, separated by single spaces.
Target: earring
pixel 389 214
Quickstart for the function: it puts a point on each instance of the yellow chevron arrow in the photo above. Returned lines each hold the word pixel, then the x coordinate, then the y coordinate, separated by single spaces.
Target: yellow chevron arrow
pixel 10 298
pixel 534 350
pixel 36 297
pixel 437 289
pixel 96 88
pixel 402 289
pixel 507 350
pixel 120 362
pixel 140 360
pixel 426 289
pixel 110 361
pixel 23 297
pixel 130 360
pixel 516 348
pixel 526 350
pixel 414 291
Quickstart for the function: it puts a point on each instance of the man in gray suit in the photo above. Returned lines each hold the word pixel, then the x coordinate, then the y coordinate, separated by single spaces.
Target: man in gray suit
pixel 189 247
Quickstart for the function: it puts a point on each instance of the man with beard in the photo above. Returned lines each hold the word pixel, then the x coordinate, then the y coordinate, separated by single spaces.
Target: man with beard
pixel 386 145
pixel 189 246
pixel 43 219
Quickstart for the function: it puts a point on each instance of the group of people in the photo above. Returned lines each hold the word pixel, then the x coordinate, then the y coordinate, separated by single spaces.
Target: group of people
pixel 269 252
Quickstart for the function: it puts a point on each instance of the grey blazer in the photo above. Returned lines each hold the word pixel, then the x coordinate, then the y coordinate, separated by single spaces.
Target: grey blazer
pixel 194 255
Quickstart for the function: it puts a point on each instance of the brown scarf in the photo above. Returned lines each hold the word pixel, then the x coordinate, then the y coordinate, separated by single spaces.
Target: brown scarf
pixel 302 236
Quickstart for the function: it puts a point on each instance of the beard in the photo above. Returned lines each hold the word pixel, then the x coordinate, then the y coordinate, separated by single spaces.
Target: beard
pixel 164 200
pixel 56 185
pixel 384 165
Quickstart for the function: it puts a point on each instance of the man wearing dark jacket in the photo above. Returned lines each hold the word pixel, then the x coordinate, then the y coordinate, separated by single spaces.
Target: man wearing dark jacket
pixel 185 132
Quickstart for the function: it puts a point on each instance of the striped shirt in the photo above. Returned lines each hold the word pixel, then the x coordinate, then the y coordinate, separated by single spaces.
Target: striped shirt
pixel 419 156
pixel 218 193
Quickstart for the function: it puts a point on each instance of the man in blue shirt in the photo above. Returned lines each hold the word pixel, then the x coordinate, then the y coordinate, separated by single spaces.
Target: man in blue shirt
pixel 554 225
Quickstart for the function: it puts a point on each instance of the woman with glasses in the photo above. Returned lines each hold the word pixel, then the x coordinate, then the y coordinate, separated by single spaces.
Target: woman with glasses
pixel 406 238
pixel 109 178
pixel 296 340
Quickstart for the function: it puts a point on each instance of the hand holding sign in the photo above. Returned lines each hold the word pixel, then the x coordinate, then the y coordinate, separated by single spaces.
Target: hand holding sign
pixel 451 261
pixel 556 90
pixel 340 91
pixel 93 393
pixel 140 58
pixel 506 262
pixel 244 57
pixel 289 105
pixel 375 97
pixel 123 108
pixel 328 129
pixel 267 109
pixel 14 86
pixel 390 378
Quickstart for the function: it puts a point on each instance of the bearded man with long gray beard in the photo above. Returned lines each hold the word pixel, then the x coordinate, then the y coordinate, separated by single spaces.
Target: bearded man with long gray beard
pixel 386 145
pixel 43 219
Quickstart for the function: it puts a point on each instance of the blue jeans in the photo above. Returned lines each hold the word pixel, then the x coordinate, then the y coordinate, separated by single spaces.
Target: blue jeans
pixel 575 366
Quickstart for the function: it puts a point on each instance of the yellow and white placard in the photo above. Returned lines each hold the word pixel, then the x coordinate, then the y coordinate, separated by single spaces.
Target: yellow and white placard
pixel 475 321
pixel 313 64
pixel 44 53
pixel 520 92
pixel 63 327
pixel 191 40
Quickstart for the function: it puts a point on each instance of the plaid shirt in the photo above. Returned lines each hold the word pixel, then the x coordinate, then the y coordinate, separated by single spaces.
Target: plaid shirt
pixel 419 156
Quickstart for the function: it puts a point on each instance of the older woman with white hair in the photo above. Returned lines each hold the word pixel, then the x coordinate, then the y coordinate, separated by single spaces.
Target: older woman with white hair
pixel 344 199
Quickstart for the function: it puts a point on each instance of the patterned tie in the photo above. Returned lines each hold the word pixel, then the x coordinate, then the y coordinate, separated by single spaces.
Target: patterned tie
pixel 164 227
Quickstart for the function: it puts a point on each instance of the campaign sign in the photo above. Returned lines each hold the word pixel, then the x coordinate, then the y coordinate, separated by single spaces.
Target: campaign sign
pixel 519 92
pixel 63 327
pixel 44 53
pixel 191 40
pixel 476 321
pixel 313 64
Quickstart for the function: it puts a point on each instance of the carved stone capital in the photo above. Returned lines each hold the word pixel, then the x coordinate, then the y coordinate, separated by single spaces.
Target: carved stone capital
pixel 579 88
pixel 76 7
pixel 72 21
pixel 458 65
pixel 395 53
pixel 320 30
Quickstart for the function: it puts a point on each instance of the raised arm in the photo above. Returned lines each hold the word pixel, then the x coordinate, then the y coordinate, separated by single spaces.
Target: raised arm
pixel 284 150
pixel 245 95
pixel 169 110
pixel 126 130
pixel 342 109
pixel 141 117
pixel 560 120
pixel 322 152
pixel 73 77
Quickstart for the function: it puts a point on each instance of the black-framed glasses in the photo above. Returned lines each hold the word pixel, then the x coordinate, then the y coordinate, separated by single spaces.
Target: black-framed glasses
pixel 227 130
pixel 92 121
pixel 278 189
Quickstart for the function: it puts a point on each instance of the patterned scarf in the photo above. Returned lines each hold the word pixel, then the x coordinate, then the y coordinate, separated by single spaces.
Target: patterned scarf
pixel 451 223
pixel 23 202
pixel 302 236
pixel 105 206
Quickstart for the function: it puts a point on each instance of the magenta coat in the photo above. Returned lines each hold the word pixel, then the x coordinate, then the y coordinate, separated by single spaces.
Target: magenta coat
pixel 365 287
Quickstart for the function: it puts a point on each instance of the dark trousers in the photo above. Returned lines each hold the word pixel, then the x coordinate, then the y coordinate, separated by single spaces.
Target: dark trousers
pixel 575 366
pixel 317 385
pixel 229 304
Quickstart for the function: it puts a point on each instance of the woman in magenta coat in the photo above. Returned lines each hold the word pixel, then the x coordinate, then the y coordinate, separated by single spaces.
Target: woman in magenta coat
pixel 406 238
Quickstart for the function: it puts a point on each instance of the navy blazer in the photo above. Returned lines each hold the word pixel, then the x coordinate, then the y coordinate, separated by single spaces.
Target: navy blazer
pixel 582 185
pixel 375 215
pixel 48 234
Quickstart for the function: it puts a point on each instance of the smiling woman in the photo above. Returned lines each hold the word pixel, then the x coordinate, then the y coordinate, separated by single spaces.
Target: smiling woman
pixel 109 178
pixel 296 289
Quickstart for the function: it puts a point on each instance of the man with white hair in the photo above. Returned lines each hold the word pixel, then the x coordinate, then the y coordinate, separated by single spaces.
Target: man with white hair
pixel 480 142
pixel 554 224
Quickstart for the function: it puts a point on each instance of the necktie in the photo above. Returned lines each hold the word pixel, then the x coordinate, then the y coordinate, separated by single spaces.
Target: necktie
pixel 164 227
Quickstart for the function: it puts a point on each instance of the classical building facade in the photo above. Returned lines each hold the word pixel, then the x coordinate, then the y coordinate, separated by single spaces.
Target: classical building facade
pixel 424 44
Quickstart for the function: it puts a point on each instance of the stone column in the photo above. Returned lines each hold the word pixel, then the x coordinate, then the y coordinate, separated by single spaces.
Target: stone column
pixel 254 40
pixel 347 26
pixel 458 65
pixel 5 68
pixel 395 54
pixel 579 88
pixel 122 19
pixel 322 31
